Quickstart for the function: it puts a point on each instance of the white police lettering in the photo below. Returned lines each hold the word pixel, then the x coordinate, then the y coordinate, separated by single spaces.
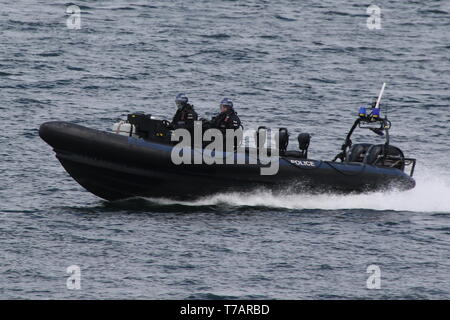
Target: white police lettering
pixel 304 163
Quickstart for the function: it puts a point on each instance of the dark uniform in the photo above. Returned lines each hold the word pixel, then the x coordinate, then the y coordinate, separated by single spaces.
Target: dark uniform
pixel 223 121
pixel 185 117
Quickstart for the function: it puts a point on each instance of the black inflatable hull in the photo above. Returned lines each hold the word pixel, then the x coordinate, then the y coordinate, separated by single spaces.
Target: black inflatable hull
pixel 116 167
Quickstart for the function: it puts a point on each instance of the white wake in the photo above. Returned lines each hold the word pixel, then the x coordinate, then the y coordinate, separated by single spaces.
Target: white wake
pixel 431 194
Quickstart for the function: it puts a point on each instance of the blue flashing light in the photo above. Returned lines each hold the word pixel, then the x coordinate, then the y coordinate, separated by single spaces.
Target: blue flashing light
pixel 362 112
pixel 376 113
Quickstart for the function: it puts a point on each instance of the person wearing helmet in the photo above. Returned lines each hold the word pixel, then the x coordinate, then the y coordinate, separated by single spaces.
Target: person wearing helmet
pixel 185 115
pixel 227 118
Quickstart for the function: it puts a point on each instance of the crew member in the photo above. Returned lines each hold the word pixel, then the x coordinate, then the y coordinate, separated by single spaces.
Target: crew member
pixel 185 115
pixel 226 119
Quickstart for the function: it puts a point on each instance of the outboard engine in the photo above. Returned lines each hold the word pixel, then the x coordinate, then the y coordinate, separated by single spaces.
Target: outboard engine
pixel 303 143
pixel 282 140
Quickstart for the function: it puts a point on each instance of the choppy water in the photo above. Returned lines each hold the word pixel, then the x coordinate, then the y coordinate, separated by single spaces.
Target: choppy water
pixel 303 65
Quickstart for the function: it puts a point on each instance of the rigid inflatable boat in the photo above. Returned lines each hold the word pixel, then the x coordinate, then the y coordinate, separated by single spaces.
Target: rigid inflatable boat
pixel 136 159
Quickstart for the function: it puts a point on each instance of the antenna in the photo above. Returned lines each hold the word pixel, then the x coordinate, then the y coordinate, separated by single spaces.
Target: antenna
pixel 379 97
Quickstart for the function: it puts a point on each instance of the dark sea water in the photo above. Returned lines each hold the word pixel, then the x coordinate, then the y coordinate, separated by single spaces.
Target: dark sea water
pixel 305 65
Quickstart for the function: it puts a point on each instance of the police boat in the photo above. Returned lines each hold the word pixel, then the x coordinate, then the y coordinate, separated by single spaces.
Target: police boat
pixel 136 160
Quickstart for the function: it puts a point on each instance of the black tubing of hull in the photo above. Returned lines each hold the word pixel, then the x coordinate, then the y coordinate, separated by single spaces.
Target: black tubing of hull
pixel 116 167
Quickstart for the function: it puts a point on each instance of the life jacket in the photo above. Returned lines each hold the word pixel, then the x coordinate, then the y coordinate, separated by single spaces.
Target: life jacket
pixel 185 116
pixel 227 120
